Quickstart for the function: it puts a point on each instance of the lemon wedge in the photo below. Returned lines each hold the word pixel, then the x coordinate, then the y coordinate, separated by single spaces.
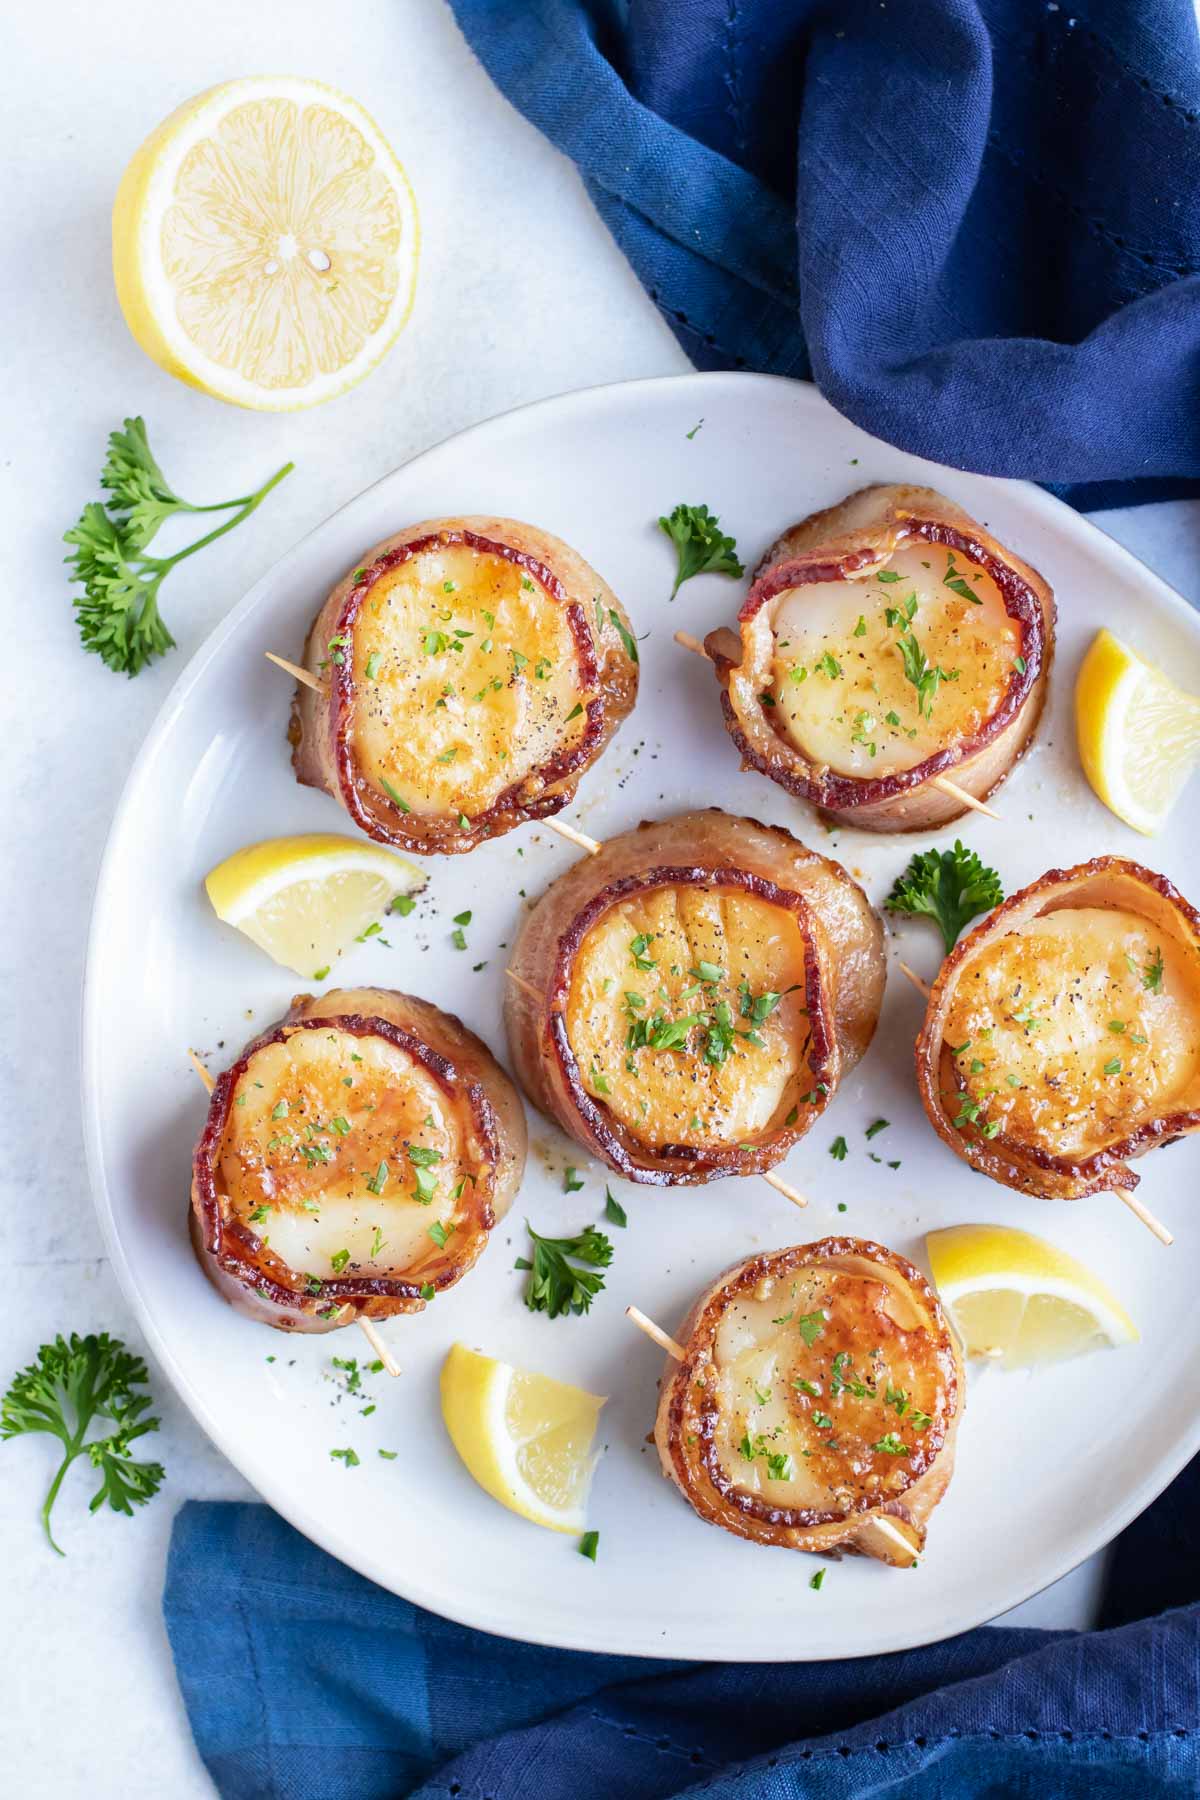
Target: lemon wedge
pixel 265 243
pixel 304 900
pixel 1015 1298
pixel 1138 734
pixel 526 1439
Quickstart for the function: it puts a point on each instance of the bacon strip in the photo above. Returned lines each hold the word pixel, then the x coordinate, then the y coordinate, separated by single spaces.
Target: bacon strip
pixel 322 729
pixel 712 851
pixel 866 1481
pixel 849 541
pixel 237 1258
pixel 1106 882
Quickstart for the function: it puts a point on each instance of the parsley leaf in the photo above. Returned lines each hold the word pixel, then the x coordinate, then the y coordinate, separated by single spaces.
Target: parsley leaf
pixel 556 1283
pixel 614 1212
pixel 949 886
pixel 700 545
pixel 69 1385
pixel 117 613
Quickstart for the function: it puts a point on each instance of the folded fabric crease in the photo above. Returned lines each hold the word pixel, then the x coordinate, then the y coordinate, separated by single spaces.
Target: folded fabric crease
pixel 974 223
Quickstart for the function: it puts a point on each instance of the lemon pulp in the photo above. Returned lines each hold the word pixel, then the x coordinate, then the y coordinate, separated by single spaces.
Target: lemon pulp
pixel 525 1438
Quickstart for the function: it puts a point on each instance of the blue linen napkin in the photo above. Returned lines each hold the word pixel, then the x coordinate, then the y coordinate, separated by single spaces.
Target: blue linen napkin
pixel 303 1681
pixel 974 223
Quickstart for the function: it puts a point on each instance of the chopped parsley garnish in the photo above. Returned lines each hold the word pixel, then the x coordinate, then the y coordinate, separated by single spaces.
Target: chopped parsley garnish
pixel 701 546
pixel 614 1212
pixel 626 637
pixel 637 949
pixel 828 665
pixel 338 1261
pixel 378 1181
pixel 874 1129
pixel 957 582
pixel 1113 1067
pixel 818 1578
pixel 1152 974
pixel 838 1149
pixel 571 1181
pixel 588 1545
pixel 441 1233
pixel 924 675
pixel 890 1445
pixel 372 669
pixel 811 1326
pixel 403 904
pixel 949 886
pixel 348 1457
pixel 390 791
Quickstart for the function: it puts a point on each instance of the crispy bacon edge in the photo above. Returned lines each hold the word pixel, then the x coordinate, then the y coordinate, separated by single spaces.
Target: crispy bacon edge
pixel 259 1284
pixel 1029 1170
pixel 859 534
pixel 686 1419
pixel 321 727
pixel 845 976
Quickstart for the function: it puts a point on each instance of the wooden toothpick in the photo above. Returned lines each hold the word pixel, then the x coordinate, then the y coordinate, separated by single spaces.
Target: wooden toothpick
pixel 521 982
pixel 580 839
pixel 782 1187
pixel 662 1338
pixel 383 1354
pixel 921 986
pixel 1142 1212
pixel 961 795
pixel 947 786
pixel 291 668
pixel 368 1330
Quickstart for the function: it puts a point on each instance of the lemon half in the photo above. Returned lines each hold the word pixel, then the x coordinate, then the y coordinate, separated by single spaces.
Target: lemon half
pixel 265 243
pixel 304 900
pixel 1020 1301
pixel 526 1439
pixel 1138 734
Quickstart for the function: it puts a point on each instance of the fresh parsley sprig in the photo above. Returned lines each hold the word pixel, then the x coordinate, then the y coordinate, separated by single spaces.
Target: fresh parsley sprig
pixel 69 1385
pixel 701 546
pixel 556 1282
pixel 949 886
pixel 117 613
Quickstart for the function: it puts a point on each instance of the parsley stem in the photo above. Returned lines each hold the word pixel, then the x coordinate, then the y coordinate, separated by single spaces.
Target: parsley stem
pixel 73 1450
pixel 164 563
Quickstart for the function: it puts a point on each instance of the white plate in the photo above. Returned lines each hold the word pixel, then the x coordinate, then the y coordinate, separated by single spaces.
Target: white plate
pixel 1049 1466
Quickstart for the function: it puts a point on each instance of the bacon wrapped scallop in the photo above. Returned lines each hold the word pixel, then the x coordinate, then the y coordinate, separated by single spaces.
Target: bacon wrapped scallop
pixel 470 671
pixel 1062 1036
pixel 817 1401
pixel 354 1160
pixel 685 1002
pixel 887 644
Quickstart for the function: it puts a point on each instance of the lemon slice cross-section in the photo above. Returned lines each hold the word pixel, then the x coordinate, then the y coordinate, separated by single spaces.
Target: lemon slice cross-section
pixel 1021 1301
pixel 265 243
pixel 1138 734
pixel 525 1438
pixel 304 900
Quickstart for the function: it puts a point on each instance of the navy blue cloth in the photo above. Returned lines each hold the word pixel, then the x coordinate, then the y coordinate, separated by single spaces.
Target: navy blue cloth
pixel 974 223
pixel 304 1682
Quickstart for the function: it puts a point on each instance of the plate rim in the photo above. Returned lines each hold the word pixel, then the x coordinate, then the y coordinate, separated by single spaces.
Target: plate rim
pixel 292 1508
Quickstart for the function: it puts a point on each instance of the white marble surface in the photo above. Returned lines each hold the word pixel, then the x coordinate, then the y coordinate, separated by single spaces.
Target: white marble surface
pixel 521 295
